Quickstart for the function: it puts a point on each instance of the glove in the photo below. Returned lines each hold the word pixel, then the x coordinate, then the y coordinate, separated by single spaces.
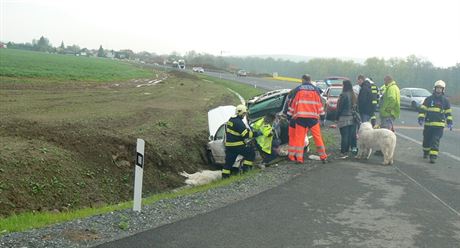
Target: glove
pixel 421 121
pixel 257 134
pixel 450 126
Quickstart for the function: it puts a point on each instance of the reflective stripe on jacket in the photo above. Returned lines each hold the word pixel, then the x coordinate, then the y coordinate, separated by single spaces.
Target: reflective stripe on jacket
pixel 307 103
pixel 436 111
pixel 236 132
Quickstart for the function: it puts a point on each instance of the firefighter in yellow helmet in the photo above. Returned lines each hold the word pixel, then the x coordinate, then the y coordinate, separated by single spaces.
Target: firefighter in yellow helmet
pixel 434 114
pixel 235 134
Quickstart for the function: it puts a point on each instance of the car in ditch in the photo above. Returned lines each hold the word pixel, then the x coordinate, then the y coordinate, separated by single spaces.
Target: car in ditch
pixel 413 97
pixel 271 102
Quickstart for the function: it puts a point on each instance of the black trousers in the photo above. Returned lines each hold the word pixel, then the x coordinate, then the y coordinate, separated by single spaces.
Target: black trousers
pixel 348 135
pixel 232 152
pixel 431 139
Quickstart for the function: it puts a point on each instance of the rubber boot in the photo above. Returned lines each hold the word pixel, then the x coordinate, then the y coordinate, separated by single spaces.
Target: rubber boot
pixel 425 154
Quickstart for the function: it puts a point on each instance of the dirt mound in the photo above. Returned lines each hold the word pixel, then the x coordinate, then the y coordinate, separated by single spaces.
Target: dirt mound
pixel 182 74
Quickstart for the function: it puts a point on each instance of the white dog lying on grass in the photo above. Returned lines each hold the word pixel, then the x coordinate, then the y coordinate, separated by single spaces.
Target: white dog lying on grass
pixel 376 139
pixel 201 177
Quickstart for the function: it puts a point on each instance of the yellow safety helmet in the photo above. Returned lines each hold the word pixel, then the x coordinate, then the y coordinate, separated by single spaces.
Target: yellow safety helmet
pixel 241 109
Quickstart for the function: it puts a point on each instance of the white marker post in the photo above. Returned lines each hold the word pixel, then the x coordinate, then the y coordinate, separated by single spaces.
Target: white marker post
pixel 139 172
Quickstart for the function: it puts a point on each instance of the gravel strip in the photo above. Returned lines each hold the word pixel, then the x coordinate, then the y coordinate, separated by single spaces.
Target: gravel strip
pixel 99 229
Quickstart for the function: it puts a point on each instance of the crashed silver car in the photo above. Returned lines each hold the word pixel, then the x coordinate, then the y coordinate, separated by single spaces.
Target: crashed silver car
pixel 271 102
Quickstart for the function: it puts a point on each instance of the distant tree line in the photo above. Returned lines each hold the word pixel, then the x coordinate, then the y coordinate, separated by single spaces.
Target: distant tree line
pixel 411 71
pixel 408 72
pixel 43 45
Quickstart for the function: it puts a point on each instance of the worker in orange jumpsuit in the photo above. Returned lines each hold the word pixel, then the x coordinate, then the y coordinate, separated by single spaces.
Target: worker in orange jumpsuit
pixel 305 108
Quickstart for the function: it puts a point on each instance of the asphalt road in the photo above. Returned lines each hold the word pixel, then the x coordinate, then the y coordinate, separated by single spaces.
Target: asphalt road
pixel 341 204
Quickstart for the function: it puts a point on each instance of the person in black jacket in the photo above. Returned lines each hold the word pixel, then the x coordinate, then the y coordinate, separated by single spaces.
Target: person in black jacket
pixel 235 134
pixel 345 121
pixel 434 113
pixel 366 100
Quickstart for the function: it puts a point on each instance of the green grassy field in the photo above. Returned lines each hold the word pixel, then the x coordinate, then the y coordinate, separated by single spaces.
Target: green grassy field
pixel 20 64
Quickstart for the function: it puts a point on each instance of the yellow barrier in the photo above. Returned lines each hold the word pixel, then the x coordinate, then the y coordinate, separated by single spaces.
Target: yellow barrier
pixel 289 79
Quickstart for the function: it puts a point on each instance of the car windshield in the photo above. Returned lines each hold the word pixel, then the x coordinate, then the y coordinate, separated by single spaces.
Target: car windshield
pixel 335 91
pixel 321 85
pixel 420 93
pixel 272 105
pixel 334 81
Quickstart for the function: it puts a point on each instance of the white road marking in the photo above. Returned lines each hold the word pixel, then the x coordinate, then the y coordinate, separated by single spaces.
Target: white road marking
pixel 239 96
pixel 420 143
pixel 431 193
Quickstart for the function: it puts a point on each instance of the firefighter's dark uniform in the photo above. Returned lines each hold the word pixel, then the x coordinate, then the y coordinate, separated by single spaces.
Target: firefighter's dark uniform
pixel 235 133
pixel 375 102
pixel 435 112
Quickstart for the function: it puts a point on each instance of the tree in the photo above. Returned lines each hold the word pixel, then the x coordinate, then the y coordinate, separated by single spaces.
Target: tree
pixel 62 45
pixel 100 52
pixel 43 45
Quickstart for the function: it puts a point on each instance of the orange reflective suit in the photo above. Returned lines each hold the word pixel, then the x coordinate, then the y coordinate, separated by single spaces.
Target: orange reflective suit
pixel 305 108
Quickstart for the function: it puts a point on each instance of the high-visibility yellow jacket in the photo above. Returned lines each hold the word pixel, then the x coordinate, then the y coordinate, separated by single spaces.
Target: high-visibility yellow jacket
pixel 264 140
pixel 390 106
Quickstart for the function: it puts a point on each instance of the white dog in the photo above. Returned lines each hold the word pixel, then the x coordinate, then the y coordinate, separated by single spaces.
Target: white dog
pixel 377 139
pixel 201 177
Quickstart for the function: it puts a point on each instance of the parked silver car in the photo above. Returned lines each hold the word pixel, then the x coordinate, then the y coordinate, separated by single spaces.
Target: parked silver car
pixel 413 97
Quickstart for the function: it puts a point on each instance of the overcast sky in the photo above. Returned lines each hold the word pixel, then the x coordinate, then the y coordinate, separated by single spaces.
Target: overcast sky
pixel 322 28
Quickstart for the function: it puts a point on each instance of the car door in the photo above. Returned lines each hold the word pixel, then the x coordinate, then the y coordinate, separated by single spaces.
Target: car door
pixel 216 145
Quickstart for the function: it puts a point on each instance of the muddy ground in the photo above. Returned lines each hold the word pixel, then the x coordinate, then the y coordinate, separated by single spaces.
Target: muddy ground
pixel 68 146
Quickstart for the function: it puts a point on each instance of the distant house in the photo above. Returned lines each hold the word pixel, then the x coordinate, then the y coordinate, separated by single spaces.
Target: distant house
pixel 2 45
pixel 85 52
pixel 110 54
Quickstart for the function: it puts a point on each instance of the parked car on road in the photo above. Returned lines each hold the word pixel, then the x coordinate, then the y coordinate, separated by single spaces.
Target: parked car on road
pixel 413 97
pixel 198 69
pixel 321 84
pixel 338 81
pixel 241 73
pixel 332 96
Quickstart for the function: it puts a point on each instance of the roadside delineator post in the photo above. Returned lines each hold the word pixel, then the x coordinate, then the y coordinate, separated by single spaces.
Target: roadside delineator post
pixel 139 172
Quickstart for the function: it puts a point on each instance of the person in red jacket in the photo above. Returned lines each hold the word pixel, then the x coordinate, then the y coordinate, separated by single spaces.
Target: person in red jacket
pixel 305 108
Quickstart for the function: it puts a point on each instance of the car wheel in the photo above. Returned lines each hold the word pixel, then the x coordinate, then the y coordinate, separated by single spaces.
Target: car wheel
pixel 414 106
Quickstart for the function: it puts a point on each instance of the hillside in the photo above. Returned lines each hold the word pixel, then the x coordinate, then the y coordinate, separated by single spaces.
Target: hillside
pixel 71 145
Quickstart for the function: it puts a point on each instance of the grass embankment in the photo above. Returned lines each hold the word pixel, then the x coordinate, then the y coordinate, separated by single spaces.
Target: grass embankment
pixel 68 146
